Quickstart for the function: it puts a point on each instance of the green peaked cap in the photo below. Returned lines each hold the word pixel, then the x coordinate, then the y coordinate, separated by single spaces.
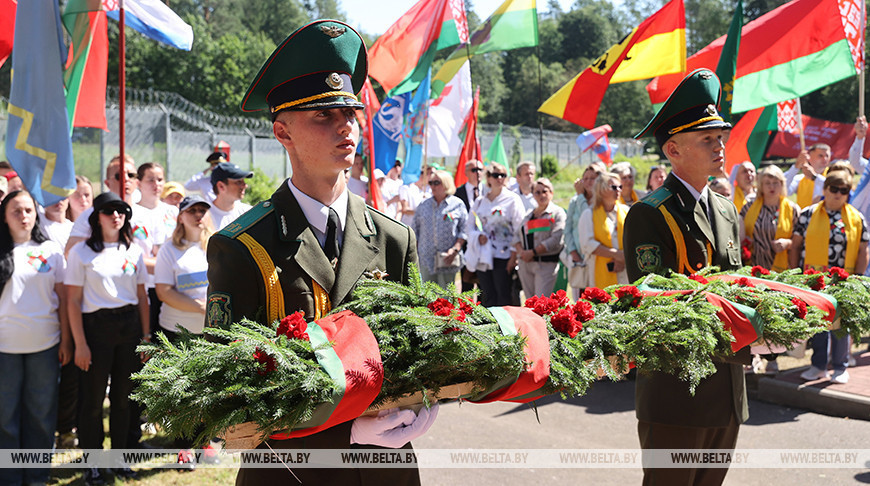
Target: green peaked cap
pixel 692 106
pixel 321 65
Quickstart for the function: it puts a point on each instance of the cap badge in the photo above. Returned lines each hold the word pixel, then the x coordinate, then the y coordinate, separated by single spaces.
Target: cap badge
pixel 711 110
pixel 334 81
pixel 332 31
pixel 705 75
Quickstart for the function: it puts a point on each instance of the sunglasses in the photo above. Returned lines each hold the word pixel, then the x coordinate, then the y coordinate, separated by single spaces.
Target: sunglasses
pixel 615 188
pixel 476 170
pixel 112 210
pixel 498 175
pixel 839 189
pixel 130 175
pixel 434 182
pixel 543 191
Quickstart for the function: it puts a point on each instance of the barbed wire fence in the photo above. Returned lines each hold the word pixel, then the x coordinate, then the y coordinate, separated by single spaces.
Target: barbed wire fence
pixel 166 128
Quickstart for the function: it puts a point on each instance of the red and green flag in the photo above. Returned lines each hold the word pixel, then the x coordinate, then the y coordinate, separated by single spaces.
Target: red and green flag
pixel 513 25
pixel 749 137
pixel 85 72
pixel 784 54
pixel 656 46
pixel 401 57
pixel 538 225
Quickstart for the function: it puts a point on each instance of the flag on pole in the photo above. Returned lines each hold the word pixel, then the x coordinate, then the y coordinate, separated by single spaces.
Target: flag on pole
pixel 387 130
pixel 779 58
pixel 604 150
pixel 514 24
pixel 370 100
pixel 496 152
pixel 7 28
pixel 588 138
pixel 85 72
pixel 446 114
pixel 749 137
pixel 471 145
pixel 37 134
pixel 726 69
pixel 415 131
pixel 400 58
pixel 656 46
pixel 854 22
pixel 153 19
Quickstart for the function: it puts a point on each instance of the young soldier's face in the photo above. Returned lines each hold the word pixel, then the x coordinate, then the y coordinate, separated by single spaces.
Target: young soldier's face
pixel 324 141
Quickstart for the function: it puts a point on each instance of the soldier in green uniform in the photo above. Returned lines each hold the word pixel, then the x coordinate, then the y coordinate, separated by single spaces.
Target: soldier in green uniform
pixel 308 245
pixel 683 226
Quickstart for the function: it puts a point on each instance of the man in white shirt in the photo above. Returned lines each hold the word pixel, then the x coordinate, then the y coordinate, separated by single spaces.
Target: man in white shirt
pixel 357 183
pixel 524 186
pixel 228 183
pixel 809 166
pixel 201 181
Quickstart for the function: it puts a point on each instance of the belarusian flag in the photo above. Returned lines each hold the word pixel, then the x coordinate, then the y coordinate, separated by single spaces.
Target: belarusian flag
pixel 513 25
pixel 400 58
pixel 85 72
pixel 784 54
pixel 656 46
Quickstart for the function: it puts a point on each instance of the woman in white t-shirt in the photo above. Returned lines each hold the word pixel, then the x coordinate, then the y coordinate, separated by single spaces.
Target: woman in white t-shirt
pixel 108 313
pixel 181 273
pixel 34 336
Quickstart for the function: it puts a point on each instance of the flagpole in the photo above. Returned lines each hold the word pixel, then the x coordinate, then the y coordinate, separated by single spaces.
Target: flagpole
pixel 540 102
pixel 861 73
pixel 800 120
pixel 122 98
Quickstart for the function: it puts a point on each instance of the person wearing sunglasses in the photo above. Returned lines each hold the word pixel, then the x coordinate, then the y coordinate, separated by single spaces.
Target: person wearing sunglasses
pixel 831 233
pixel 600 232
pixel 539 241
pixel 683 227
pixel 439 223
pixel 494 220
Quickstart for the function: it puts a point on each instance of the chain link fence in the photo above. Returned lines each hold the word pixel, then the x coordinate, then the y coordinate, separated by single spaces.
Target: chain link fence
pixel 166 128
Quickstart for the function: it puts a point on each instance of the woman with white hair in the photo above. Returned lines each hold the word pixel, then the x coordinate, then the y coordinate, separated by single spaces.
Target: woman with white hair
pixel 742 179
pixel 439 223
pixel 539 240
pixel 600 232
pixel 627 173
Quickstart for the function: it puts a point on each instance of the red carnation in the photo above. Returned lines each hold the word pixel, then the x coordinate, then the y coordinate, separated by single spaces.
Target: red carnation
pixel 698 278
pixel 564 322
pixel 583 311
pixel 541 305
pixel 811 271
pixel 293 326
pixel 629 291
pixel 560 298
pixel 465 306
pixel 818 283
pixel 596 295
pixel 801 307
pixel 459 315
pixel 758 271
pixel 266 363
pixel 838 274
pixel 441 307
pixel 743 282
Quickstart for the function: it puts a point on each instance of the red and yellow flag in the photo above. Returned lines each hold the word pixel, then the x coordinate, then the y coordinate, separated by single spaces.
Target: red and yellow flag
pixel 657 46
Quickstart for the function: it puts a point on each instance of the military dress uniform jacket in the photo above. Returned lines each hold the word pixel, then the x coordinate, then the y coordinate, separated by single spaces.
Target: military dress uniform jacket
pixel 243 284
pixel 650 246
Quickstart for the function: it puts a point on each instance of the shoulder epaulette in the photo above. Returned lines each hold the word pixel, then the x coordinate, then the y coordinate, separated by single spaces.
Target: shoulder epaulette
pixel 245 221
pixel 369 208
pixel 657 197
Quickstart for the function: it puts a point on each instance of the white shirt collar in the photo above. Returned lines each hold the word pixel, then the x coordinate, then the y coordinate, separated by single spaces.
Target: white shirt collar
pixel 317 213
pixel 694 192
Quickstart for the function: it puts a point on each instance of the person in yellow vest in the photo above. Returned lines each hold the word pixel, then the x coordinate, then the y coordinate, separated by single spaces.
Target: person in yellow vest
pixel 742 178
pixel 768 221
pixel 601 230
pixel 831 233
pixel 682 227
pixel 807 176
pixel 627 173
pixel 538 242
pixel 307 246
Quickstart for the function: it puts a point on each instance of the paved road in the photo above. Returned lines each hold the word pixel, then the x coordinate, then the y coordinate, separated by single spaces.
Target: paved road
pixel 604 419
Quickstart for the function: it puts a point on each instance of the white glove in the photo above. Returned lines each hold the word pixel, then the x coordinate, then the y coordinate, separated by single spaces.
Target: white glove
pixel 392 428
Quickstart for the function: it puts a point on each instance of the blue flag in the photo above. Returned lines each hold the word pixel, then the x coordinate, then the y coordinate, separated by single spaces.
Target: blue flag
pixel 415 131
pixel 38 141
pixel 388 130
